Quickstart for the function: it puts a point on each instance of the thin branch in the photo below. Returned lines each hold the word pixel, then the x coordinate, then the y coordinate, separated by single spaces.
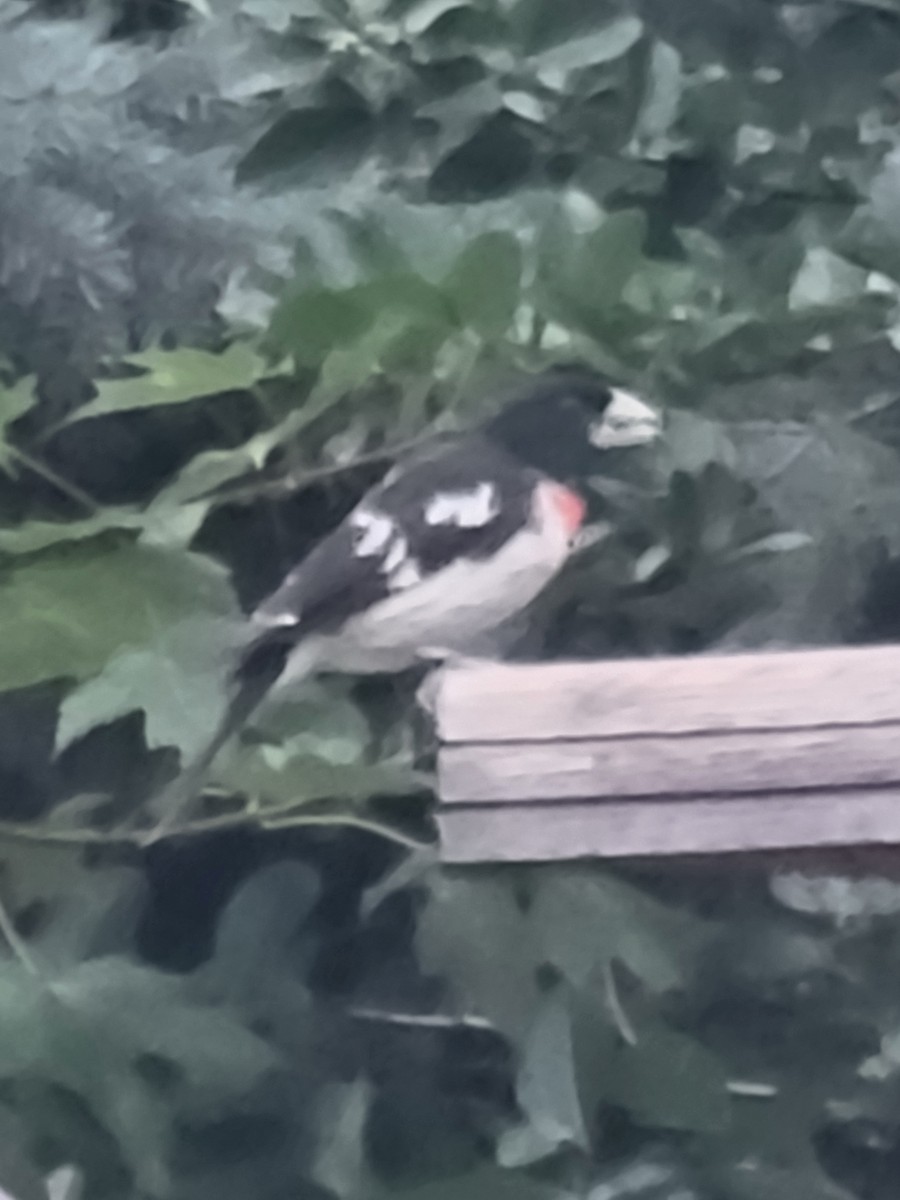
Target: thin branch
pixel 19 950
pixel 616 1008
pixel 751 1088
pixel 72 490
pixel 367 824
pixel 258 820
pixel 420 1020
pixel 295 481
pixel 12 831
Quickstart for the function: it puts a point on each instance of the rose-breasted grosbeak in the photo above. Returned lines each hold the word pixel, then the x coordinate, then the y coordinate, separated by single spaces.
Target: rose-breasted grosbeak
pixel 456 540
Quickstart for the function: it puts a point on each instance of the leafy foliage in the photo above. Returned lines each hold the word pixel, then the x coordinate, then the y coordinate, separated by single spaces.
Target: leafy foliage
pixel 249 251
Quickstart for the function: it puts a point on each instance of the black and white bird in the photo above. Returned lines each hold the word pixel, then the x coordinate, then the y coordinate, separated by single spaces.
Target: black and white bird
pixel 455 541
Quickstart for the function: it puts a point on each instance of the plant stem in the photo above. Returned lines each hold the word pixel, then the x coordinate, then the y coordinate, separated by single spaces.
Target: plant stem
pixel 12 831
pixel 72 490
pixel 19 950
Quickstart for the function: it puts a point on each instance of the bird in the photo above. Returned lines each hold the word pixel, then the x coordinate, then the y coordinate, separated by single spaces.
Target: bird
pixel 458 538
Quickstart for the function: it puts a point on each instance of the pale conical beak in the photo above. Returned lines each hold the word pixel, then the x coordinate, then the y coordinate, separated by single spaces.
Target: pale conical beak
pixel 627 421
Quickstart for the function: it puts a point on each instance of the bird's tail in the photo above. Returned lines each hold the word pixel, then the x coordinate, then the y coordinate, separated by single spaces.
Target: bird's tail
pixel 258 671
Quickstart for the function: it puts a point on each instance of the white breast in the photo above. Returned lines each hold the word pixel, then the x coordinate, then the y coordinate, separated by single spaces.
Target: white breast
pixel 449 610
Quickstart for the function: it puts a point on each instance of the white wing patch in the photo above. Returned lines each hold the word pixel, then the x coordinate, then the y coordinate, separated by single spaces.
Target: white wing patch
pixel 281 619
pixel 395 556
pixel 402 571
pixel 377 535
pixel 407 575
pixel 468 509
pixel 375 531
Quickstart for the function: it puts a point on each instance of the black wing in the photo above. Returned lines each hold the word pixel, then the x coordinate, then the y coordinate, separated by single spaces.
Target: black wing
pixel 341 576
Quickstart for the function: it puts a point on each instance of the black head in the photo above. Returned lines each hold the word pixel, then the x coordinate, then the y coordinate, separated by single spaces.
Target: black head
pixel 565 412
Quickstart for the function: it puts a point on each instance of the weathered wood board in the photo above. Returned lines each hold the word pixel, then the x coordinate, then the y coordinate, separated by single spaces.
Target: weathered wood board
pixel 669 755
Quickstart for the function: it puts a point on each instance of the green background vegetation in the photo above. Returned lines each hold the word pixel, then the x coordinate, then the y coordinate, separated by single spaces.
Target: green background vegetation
pixel 247 250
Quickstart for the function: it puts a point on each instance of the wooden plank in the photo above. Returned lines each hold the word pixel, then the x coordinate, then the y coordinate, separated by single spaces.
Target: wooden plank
pixel 773 821
pixel 786 690
pixel 698 764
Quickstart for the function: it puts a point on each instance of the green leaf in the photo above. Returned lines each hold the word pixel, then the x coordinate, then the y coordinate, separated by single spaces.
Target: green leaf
pixel 68 613
pixel 279 780
pixel 33 536
pixel 586 918
pixel 770 1180
pixel 661 102
pixel 484 282
pixel 842 899
pixel 311 323
pixel 460 116
pixel 410 345
pixel 408 293
pixel 486 1183
pixel 73 899
pixel 388 322
pixel 721 499
pixel 341 1163
pixel 65 1183
pixel 886 1063
pixel 491 975
pixel 587 275
pixel 97 1029
pixel 172 526
pixel 146 1011
pixel 19 1180
pixel 609 257
pixel 546 1090
pixel 174 377
pixel 825 279
pixel 526 105
pixel 211 469
pixel 579 920
pixel 317 747
pixel 163 523
pixel 422 15
pixel 179 681
pixel 275 901
pixel 279 17
pixel 322 142
pixel 648 1172
pixel 668 1080
pixel 92 1030
pixel 606 45
pixel 694 442
pixel 15 400
pixel 47 1039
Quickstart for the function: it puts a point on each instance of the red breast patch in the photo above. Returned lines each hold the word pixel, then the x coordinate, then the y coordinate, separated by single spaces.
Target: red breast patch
pixel 570 506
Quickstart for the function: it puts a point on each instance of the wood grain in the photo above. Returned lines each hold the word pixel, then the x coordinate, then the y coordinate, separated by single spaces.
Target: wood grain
pixel 692 764
pixel 778 690
pixel 513 833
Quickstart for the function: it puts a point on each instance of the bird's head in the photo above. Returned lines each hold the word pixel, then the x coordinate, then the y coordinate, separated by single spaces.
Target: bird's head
pixel 566 412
